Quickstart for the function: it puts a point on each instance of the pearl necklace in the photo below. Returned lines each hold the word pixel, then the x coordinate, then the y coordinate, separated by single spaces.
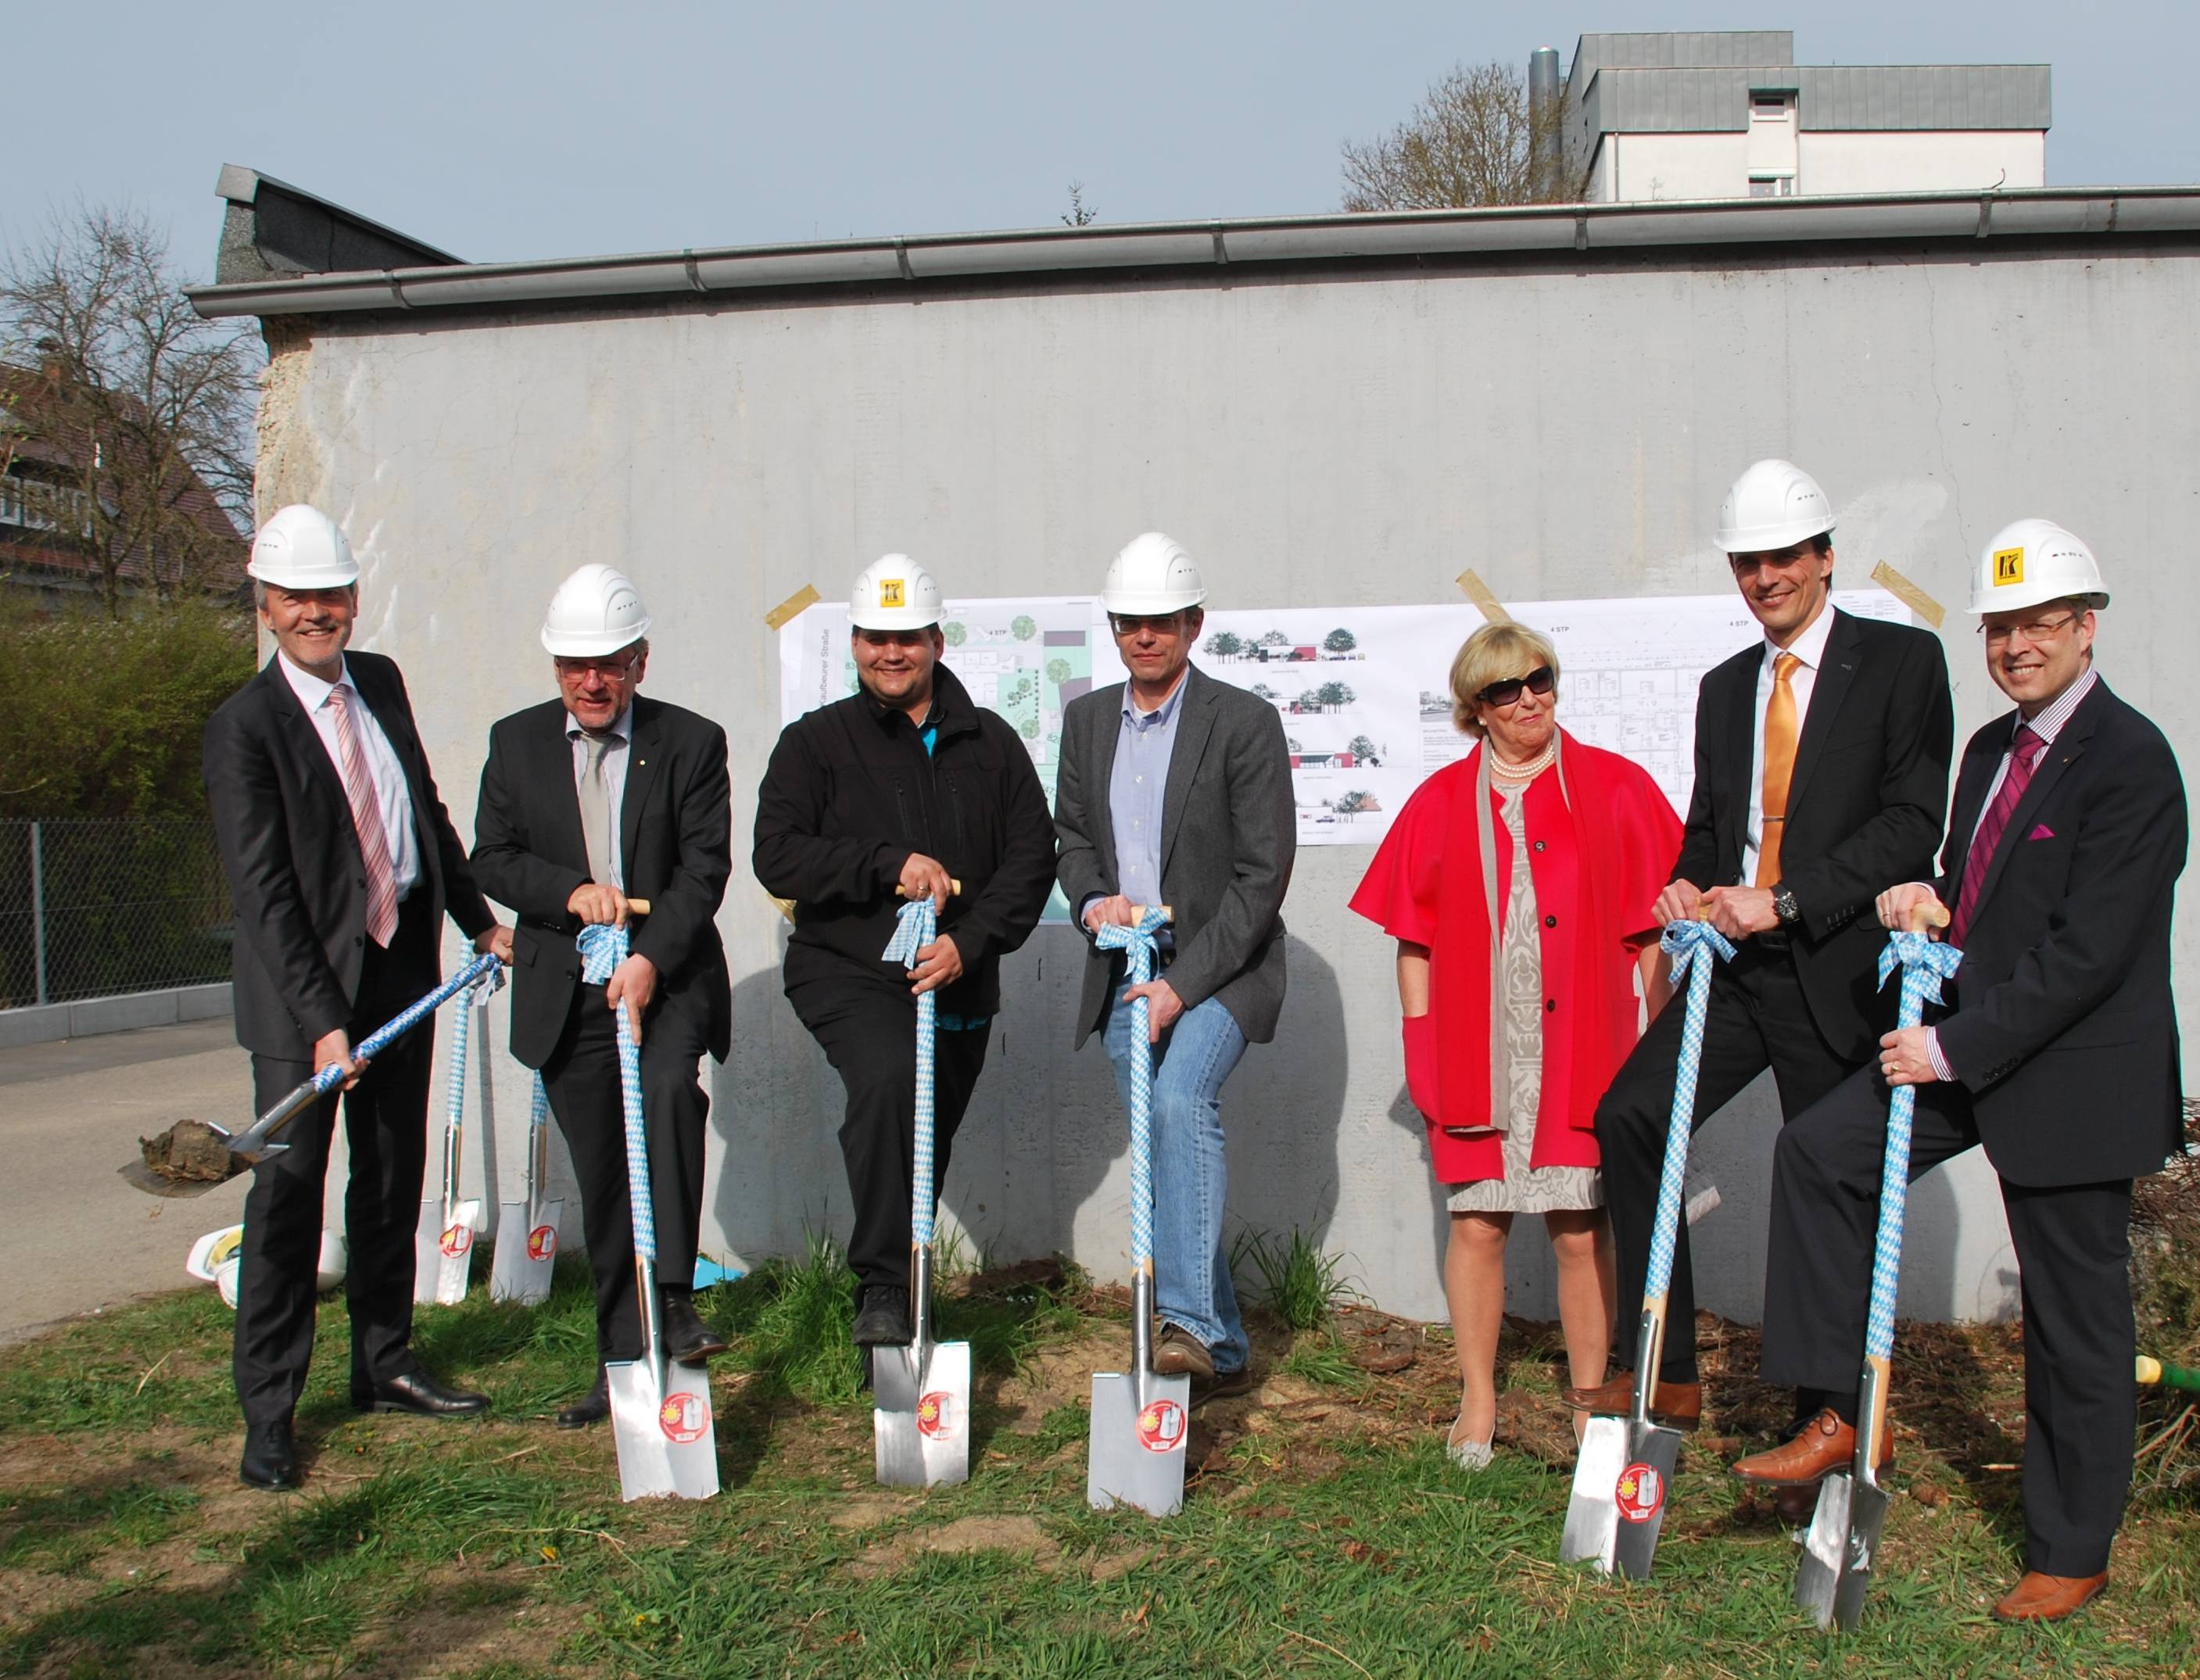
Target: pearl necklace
pixel 1527 768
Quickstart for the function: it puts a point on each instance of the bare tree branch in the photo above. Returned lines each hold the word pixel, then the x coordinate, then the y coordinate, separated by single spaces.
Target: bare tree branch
pixel 1469 142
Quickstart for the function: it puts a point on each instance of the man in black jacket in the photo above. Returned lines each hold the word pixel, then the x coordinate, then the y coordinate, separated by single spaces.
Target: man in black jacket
pixel 899 790
pixel 341 862
pixel 2057 1049
pixel 1821 778
pixel 588 802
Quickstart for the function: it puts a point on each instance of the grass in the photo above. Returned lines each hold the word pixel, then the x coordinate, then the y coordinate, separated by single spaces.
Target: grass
pixel 1322 1534
pixel 1296 1279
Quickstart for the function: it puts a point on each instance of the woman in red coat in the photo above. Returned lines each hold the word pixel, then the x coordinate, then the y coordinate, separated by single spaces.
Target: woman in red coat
pixel 1519 884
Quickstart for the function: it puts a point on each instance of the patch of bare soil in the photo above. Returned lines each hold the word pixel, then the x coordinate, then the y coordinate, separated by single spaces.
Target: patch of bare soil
pixel 1020 1535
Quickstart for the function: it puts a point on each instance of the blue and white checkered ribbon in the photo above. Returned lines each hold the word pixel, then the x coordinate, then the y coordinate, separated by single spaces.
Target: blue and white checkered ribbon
pixel 1142 951
pixel 1692 945
pixel 603 948
pixel 391 1031
pixel 912 932
pixel 1925 962
pixel 477 996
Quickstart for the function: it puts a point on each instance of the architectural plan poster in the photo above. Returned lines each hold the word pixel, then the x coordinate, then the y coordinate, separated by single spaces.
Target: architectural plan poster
pixel 1363 693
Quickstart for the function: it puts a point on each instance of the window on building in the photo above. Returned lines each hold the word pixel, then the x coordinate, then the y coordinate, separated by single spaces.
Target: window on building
pixel 1771 186
pixel 1770 107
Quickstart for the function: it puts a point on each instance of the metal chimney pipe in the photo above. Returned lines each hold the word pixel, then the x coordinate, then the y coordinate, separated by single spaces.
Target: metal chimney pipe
pixel 1544 120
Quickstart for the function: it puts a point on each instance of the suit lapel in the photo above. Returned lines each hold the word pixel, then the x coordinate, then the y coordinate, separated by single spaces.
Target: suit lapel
pixel 2068 745
pixel 1195 723
pixel 304 741
pixel 1971 782
pixel 1741 748
pixel 1836 671
pixel 561 839
pixel 1108 731
pixel 389 711
pixel 642 764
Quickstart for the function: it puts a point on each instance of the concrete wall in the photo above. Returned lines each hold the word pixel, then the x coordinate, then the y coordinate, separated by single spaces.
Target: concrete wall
pixel 1718 166
pixel 1335 437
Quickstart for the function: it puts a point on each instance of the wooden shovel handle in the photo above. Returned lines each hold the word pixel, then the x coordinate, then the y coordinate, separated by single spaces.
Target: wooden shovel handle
pixel 1927 913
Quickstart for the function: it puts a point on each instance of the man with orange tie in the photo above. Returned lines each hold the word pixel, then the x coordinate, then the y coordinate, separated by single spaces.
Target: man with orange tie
pixel 1821 779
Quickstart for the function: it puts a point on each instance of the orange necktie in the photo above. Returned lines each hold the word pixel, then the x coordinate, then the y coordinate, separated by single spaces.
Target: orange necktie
pixel 1779 767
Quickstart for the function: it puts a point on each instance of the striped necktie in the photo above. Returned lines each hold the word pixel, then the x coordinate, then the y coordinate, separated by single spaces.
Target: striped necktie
pixel 2024 756
pixel 367 818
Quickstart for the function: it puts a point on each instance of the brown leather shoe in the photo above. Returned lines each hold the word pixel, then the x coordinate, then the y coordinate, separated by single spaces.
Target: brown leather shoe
pixel 1178 1353
pixel 2048 1598
pixel 1804 1460
pixel 1797 1506
pixel 1674 1405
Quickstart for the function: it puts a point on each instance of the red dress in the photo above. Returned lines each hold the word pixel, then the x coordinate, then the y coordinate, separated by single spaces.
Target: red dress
pixel 1602 844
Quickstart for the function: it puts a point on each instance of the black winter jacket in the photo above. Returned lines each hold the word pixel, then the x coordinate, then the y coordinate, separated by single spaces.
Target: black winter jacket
pixel 850 793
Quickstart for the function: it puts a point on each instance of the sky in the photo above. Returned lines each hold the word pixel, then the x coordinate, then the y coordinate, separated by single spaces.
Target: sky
pixel 498 131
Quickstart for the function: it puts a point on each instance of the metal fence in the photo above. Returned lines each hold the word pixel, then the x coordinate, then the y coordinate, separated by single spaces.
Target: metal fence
pixel 92 907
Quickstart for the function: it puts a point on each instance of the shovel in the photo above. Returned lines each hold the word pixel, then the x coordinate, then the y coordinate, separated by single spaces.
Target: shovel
pixel 1625 1467
pixel 661 1419
pixel 1139 1417
pixel 921 1394
pixel 193 1155
pixel 526 1230
pixel 1835 1571
pixel 2151 1371
pixel 444 1239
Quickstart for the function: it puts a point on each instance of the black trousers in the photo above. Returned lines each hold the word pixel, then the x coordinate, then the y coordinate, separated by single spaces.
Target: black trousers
pixel 1758 1018
pixel 386 1126
pixel 2073 1254
pixel 582 1079
pixel 868 1033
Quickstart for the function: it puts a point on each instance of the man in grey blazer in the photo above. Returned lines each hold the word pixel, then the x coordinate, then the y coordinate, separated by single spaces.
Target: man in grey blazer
pixel 1176 789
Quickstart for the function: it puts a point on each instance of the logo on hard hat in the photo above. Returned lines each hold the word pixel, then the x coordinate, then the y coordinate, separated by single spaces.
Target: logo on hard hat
pixel 1640 1493
pixel 2009 566
pixel 934 1415
pixel 542 1242
pixel 457 1240
pixel 230 1242
pixel 684 1417
pixel 890 590
pixel 1160 1427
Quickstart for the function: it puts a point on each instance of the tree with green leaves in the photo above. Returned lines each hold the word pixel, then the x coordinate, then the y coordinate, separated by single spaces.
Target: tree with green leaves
pixel 1224 645
pixel 1340 642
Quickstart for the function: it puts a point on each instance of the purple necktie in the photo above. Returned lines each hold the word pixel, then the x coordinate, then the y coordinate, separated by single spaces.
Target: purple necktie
pixel 2024 754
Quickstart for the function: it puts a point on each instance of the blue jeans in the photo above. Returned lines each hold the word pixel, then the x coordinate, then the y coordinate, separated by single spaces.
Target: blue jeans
pixel 1191 1272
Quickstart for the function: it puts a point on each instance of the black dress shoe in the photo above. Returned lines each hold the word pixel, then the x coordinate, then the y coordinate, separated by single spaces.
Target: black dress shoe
pixel 271 1456
pixel 594 1407
pixel 882 1321
pixel 417 1392
pixel 687 1337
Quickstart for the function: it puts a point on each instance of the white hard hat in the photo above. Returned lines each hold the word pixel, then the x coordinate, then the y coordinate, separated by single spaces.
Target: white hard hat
pixel 1774 505
pixel 301 548
pixel 2033 561
pixel 894 592
pixel 1152 575
pixel 597 610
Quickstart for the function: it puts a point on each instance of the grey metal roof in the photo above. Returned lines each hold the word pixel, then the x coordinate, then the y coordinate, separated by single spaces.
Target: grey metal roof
pixel 1666 49
pixel 1585 233
pixel 1827 96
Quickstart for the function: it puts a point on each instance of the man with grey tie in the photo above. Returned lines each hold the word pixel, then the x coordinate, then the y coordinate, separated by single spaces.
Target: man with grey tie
pixel 589 802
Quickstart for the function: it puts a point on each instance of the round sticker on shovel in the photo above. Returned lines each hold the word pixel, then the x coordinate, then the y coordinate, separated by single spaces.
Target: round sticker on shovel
pixel 1160 1427
pixel 457 1240
pixel 542 1242
pixel 684 1417
pixel 934 1415
pixel 1639 1492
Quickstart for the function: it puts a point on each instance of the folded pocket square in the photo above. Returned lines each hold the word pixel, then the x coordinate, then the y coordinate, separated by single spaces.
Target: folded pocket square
pixel 2040 831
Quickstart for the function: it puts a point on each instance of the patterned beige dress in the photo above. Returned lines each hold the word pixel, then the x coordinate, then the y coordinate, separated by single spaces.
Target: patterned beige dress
pixel 1523 1189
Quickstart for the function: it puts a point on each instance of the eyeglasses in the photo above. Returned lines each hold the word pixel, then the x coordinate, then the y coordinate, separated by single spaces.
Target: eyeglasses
pixel 1161 624
pixel 610 665
pixel 2033 630
pixel 1540 680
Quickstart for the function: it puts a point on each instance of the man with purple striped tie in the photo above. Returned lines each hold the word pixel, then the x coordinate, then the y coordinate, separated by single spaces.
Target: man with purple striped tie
pixel 2057 1050
pixel 342 863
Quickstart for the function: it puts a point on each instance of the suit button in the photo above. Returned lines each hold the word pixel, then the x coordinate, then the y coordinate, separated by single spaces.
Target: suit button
pixel 1550 1005
pixel 358 939
pixel 362 882
pixel 1539 845
pixel 1550 922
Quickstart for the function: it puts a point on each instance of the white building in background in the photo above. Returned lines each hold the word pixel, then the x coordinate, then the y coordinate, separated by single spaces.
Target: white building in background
pixel 1711 115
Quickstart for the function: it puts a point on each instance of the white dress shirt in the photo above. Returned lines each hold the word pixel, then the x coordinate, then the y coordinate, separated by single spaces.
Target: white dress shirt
pixel 392 798
pixel 1810 647
pixel 614 772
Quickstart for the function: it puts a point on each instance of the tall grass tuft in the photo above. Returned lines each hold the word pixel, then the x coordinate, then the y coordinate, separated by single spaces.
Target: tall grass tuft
pixel 794 1321
pixel 1297 1281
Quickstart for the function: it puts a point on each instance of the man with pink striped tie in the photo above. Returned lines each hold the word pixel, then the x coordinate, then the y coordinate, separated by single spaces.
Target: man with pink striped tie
pixel 2057 1051
pixel 341 862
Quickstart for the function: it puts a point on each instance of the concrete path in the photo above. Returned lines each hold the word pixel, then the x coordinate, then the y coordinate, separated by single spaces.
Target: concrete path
pixel 73 1237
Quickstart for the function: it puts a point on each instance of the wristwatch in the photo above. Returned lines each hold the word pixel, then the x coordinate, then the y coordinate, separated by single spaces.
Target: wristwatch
pixel 1784 906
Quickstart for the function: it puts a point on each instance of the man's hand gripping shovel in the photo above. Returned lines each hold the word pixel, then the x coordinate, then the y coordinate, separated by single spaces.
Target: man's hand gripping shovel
pixel 1139 1417
pixel 1625 1467
pixel 444 1239
pixel 193 1155
pixel 1842 1545
pixel 661 1419
pixel 921 1394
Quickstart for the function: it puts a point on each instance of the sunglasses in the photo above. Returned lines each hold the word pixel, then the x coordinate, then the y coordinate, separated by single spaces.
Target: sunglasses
pixel 1540 680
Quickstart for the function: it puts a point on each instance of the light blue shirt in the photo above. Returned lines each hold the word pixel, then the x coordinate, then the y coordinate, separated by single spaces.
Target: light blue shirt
pixel 1136 788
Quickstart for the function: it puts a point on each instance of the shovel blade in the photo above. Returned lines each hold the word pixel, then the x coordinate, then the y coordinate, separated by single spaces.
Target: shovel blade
pixel 667 1439
pixel 1593 1512
pixel 1835 1571
pixel 525 1254
pixel 138 1176
pixel 920 1414
pixel 1136 1454
pixel 443 1253
pixel 1639 1495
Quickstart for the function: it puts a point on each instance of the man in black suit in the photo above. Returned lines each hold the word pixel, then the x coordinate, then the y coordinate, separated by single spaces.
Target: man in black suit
pixel 588 802
pixel 2058 1050
pixel 342 861
pixel 1822 778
